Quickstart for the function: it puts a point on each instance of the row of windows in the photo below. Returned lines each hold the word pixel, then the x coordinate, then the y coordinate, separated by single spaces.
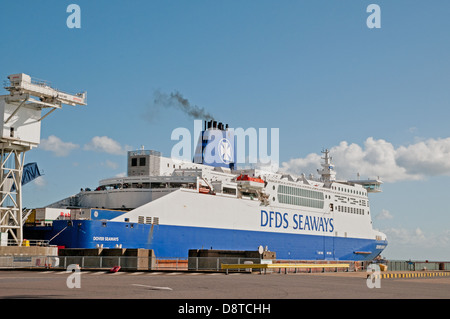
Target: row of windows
pixel 351 210
pixel 348 190
pixel 300 192
pixel 300 201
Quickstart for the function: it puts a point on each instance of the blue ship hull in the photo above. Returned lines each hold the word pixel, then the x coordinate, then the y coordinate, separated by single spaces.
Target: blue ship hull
pixel 176 241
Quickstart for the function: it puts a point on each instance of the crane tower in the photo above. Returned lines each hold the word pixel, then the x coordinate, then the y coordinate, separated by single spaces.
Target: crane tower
pixel 29 102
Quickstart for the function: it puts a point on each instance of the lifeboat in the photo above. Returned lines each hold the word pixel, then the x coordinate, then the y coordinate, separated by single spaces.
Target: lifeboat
pixel 248 178
pixel 247 182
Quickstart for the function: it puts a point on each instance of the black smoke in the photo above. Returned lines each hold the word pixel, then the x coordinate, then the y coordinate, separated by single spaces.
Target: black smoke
pixel 176 100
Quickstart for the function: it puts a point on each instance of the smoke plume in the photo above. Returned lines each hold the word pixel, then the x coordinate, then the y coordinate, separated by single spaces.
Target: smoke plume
pixel 176 100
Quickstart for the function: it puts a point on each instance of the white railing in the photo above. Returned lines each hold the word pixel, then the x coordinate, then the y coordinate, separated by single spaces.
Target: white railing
pixel 28 242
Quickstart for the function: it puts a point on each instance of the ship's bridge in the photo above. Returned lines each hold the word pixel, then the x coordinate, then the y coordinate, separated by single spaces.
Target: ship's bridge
pixel 371 185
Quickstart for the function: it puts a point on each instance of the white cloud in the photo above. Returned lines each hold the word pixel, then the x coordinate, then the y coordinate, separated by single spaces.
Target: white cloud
pixel 403 236
pixel 379 158
pixel 107 145
pixel 57 146
pixel 417 244
pixel 385 214
pixel 123 174
pixel 430 157
pixel 302 165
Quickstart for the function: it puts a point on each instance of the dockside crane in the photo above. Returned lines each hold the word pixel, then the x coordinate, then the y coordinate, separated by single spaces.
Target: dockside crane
pixel 20 131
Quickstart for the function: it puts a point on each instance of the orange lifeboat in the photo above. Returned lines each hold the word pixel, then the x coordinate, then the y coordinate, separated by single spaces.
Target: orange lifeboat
pixel 248 178
pixel 250 183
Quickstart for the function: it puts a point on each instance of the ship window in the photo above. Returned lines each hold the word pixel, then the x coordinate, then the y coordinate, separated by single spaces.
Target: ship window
pixel 142 161
pixel 300 197
pixel 134 162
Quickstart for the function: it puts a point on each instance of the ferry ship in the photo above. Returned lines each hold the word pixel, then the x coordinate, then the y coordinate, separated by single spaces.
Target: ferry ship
pixel 173 206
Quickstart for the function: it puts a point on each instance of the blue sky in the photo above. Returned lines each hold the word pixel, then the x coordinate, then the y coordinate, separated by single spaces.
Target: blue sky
pixel 378 98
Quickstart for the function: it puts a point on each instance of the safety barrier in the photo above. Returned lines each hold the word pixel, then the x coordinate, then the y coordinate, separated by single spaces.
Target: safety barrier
pixel 417 265
pixel 395 269
pixel 227 267
pixel 416 274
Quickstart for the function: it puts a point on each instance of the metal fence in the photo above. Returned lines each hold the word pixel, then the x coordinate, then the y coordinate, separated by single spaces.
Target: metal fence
pixel 27 261
pixel 141 263
pixel 409 265
pixel 125 262
pixel 184 264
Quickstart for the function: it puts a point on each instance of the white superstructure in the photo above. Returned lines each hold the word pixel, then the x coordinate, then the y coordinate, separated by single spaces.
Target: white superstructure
pixel 278 192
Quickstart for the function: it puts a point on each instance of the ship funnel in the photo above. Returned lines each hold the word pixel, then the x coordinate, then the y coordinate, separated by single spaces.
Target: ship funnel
pixel 216 146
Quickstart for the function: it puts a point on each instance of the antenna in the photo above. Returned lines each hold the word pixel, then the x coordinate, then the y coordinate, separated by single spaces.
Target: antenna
pixel 327 172
pixel 20 131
